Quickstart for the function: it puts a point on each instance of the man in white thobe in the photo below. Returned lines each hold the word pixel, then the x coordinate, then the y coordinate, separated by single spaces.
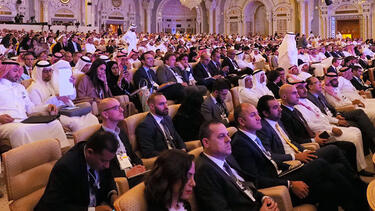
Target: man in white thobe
pixel 288 51
pixel 15 106
pixel 41 92
pixel 130 37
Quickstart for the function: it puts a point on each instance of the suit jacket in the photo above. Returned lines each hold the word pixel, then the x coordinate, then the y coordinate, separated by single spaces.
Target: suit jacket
pixel 294 126
pixel 364 64
pixel 215 69
pixel 71 49
pixel 68 185
pixel 210 110
pixel 141 75
pixel 227 62
pixel 150 137
pixel 201 76
pixel 331 69
pixel 357 84
pixel 252 161
pixel 272 142
pixel 164 74
pixel 274 89
pixel 215 190
pixel 316 102
pixel 134 159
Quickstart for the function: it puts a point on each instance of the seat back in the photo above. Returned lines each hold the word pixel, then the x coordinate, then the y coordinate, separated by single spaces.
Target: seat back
pixel 231 131
pixel 27 169
pixel 229 102
pixel 132 200
pixel 235 95
pixel 371 194
pixel 85 133
pixel 132 123
pixel 173 110
pixel 196 152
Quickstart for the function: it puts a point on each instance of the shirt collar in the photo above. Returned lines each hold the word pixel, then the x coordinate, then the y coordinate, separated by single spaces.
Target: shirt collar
pixel 6 82
pixel 157 118
pixel 289 107
pixel 217 161
pixel 250 135
pixel 116 131
pixel 213 99
pixel 271 122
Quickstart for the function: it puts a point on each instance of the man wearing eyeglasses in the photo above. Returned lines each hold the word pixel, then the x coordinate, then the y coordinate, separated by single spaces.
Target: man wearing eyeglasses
pixel 126 163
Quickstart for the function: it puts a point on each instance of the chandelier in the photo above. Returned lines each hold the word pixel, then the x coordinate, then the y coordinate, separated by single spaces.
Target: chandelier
pixel 190 3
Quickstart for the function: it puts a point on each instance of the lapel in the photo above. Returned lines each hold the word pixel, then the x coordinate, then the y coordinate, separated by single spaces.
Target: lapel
pixel 289 112
pixel 274 134
pixel 222 173
pixel 84 178
pixel 159 130
pixel 253 146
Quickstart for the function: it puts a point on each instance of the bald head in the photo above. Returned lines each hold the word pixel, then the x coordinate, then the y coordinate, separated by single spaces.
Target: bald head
pixel 231 53
pixel 247 117
pixel 289 95
pixel 106 103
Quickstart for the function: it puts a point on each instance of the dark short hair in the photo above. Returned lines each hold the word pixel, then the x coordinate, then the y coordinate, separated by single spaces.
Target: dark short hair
pixel 220 84
pixel 181 57
pixel 151 99
pixel 142 57
pixel 356 68
pixel 309 82
pixel 263 104
pixel 272 75
pixel 102 140
pixel 170 168
pixel 168 55
pixel 204 130
pixel 279 69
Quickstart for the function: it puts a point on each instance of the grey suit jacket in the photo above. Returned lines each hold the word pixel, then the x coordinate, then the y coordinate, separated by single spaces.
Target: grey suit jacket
pixel 210 110
pixel 164 74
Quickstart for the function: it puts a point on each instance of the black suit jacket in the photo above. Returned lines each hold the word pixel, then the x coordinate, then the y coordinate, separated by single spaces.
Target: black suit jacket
pixel 331 69
pixel 140 76
pixel 357 84
pixel 215 190
pixel 364 64
pixel 316 102
pixel 272 142
pixel 215 69
pixel 71 49
pixel 252 161
pixel 294 126
pixel 150 137
pixel 134 159
pixel 227 62
pixel 274 89
pixel 201 76
pixel 68 186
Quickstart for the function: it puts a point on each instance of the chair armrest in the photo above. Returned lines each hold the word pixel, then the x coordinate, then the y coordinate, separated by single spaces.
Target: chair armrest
pixel 122 185
pixel 311 146
pixel 149 162
pixel 190 145
pixel 345 108
pixel 281 195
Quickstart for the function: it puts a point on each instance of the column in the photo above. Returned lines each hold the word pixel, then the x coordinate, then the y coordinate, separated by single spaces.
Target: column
pixel 210 6
pixel 301 7
pixel 270 22
pixel 147 7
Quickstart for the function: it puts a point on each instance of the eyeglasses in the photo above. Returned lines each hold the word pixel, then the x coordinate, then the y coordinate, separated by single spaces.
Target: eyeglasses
pixel 117 107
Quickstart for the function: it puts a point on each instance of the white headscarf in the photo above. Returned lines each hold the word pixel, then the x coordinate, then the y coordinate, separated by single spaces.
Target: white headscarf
pixel 261 88
pixel 80 64
pixel 247 95
pixel 301 74
pixel 61 64
pixel 288 51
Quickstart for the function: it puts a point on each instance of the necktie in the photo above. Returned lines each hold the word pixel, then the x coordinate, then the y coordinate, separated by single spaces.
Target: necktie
pixel 168 136
pixel 241 184
pixel 303 121
pixel 93 187
pixel 286 139
pixel 260 145
pixel 322 105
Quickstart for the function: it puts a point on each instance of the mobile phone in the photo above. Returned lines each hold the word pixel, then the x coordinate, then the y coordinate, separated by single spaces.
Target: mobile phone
pixel 324 135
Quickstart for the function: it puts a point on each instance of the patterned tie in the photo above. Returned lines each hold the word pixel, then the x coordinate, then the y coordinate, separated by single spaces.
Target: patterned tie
pixel 260 145
pixel 168 136
pixel 93 186
pixel 286 139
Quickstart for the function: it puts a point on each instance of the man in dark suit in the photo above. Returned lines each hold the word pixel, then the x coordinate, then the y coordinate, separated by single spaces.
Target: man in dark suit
pixel 156 133
pixel 73 45
pixel 358 83
pixel 203 74
pixel 214 107
pixel 234 68
pixel 81 179
pixel 273 79
pixel 335 64
pixel 214 65
pixel 356 117
pixel 315 182
pixel 145 76
pixel 126 163
pixel 221 184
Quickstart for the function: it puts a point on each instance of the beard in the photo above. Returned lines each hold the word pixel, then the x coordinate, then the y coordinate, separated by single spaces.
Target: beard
pixel 334 84
pixel 161 112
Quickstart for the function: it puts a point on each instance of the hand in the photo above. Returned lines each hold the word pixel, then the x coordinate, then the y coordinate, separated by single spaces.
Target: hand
pixel 300 189
pixel 72 79
pixel 269 205
pixel 359 103
pixel 362 92
pixel 103 78
pixel 340 117
pixel 305 156
pixel 103 208
pixel 320 141
pixel 5 118
pixel 343 123
pixel 184 84
pixel 217 76
pixel 52 109
pixel 225 69
pixel 135 170
pixel 368 83
pixel 336 131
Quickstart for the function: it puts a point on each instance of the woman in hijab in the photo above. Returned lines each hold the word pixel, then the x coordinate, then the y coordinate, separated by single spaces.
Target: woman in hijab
pixel 118 80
